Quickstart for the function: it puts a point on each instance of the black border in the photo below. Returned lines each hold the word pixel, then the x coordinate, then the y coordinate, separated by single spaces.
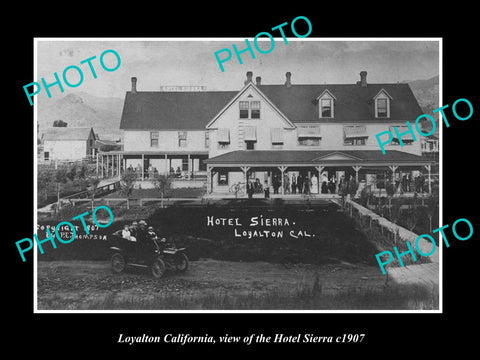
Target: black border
pixel 80 333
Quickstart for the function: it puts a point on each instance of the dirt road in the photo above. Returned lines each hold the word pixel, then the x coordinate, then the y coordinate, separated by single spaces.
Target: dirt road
pixel 82 285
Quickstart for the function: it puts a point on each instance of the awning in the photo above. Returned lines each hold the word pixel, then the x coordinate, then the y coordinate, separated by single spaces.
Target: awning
pixel 250 133
pixel 355 132
pixel 224 135
pixel 401 130
pixel 309 131
pixel 277 135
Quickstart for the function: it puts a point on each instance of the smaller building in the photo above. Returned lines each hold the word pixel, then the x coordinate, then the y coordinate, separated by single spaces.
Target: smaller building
pixel 68 144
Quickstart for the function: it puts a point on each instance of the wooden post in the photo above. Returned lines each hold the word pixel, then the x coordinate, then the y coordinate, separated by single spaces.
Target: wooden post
pixel 319 169
pixel 102 166
pixel 357 169
pixel 189 168
pixel 429 168
pixel 282 170
pixel 393 168
pixel 97 164
pixel 143 164
pixel 166 165
pixel 245 177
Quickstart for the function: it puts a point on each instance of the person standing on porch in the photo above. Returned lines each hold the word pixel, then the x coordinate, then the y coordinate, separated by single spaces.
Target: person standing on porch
pixel 250 189
pixel 306 185
pixel 300 183
pixel 294 184
pixel 314 183
pixel 286 184
pixel 267 190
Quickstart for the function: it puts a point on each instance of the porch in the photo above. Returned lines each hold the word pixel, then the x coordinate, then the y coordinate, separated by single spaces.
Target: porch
pixel 316 173
pixel 148 165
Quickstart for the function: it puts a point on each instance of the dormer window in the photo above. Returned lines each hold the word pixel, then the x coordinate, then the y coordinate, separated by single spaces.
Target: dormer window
pixel 325 104
pixel 382 104
pixel 382 108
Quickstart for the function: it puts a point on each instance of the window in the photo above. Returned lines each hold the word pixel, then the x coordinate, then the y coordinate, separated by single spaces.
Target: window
pixel 308 142
pixel 250 145
pixel 46 155
pixel 223 177
pixel 182 139
pixel 355 141
pixel 249 109
pixel 355 135
pixel 223 146
pixel 382 110
pixel 326 105
pixel 277 138
pixel 184 164
pixel 308 135
pixel 244 105
pixel 395 141
pixel 223 138
pixel 207 139
pixel 154 139
pixel 255 107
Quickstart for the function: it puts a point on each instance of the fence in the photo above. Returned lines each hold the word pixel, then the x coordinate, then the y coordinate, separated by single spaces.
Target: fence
pixel 125 202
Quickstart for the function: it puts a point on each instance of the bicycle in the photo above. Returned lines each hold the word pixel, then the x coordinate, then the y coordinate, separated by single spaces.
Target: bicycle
pixel 238 188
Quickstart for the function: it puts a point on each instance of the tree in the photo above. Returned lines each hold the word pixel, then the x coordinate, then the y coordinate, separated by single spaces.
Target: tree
pixel 127 182
pixel 162 184
pixel 59 123
pixel 60 178
pixel 45 179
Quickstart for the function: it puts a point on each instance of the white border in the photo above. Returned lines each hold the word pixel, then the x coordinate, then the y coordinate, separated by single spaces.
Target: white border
pixel 35 256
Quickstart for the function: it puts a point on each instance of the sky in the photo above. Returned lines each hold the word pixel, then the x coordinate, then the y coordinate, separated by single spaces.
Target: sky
pixel 177 61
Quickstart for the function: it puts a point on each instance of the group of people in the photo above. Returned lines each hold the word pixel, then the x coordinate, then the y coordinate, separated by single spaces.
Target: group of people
pixel 138 231
pixel 152 171
pixel 294 184
pixel 409 183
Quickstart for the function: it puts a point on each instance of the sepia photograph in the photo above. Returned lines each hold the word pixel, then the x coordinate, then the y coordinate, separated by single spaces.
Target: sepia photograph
pixel 237 175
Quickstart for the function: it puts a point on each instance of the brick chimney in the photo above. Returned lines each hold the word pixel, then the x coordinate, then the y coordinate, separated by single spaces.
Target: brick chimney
pixel 249 77
pixel 258 79
pixel 288 82
pixel 134 84
pixel 363 78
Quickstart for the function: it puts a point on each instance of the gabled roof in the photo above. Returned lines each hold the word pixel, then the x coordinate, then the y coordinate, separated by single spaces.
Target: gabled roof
pixel 244 89
pixel 67 133
pixel 353 103
pixel 172 110
pixel 190 110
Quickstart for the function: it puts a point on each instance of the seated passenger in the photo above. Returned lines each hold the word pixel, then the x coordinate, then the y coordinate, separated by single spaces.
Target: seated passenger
pixel 126 234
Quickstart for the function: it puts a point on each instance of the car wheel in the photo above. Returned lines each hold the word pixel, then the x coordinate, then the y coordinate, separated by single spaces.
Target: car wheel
pixel 118 263
pixel 181 262
pixel 158 268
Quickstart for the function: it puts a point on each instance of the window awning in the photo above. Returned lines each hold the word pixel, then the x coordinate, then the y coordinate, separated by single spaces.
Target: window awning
pixel 277 135
pixel 401 130
pixel 309 131
pixel 224 135
pixel 250 133
pixel 352 132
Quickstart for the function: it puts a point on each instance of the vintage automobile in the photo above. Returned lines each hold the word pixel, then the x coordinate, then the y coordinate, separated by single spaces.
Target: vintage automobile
pixel 159 255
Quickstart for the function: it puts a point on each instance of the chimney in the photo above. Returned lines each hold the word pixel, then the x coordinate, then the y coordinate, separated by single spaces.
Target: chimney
pixel 249 77
pixel 258 80
pixel 288 83
pixel 363 78
pixel 134 84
